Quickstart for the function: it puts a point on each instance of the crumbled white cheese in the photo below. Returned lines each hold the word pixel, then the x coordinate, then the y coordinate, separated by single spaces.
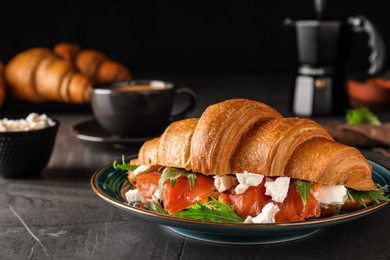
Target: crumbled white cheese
pixel 277 189
pixel 224 182
pixel 247 180
pixel 156 195
pixel 267 215
pixel 149 203
pixel 32 122
pixel 331 194
pixel 135 195
pixel 145 169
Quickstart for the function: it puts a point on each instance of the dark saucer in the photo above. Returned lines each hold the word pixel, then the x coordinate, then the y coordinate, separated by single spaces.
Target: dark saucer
pixel 90 130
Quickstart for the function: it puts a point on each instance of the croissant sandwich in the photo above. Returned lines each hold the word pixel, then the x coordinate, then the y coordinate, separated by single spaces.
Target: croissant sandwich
pixel 242 161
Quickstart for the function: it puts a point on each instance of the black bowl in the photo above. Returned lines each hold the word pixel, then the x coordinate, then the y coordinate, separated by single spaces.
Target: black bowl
pixel 26 153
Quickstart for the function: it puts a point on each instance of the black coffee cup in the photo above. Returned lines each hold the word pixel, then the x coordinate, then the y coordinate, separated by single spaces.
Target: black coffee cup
pixel 138 107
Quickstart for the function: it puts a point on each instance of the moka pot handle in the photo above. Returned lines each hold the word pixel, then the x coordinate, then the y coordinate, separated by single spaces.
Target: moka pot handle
pixel 377 57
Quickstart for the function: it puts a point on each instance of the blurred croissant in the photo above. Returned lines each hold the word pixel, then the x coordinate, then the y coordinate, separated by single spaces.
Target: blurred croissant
pixel 92 63
pixel 63 75
pixel 2 85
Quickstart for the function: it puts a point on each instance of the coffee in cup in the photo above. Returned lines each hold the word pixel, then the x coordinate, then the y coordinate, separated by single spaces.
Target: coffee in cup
pixel 137 88
pixel 139 107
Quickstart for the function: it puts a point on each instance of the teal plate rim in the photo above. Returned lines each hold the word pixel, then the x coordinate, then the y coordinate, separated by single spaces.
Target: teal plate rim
pixel 107 182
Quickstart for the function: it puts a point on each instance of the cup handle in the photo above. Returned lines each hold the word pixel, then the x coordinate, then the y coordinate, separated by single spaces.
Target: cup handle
pixel 190 106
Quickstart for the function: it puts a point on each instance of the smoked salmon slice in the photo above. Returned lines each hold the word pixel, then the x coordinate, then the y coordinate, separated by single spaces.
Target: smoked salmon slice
pixel 147 184
pixel 250 203
pixel 179 197
pixel 292 209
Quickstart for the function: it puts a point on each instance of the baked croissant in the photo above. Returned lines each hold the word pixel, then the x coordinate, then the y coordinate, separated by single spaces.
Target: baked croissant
pixel 38 75
pixel 3 90
pixel 65 74
pixel 256 138
pixel 244 136
pixel 93 63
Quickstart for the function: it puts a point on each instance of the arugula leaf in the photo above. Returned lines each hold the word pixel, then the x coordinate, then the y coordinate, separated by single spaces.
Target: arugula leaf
pixel 173 174
pixel 373 194
pixel 381 187
pixel 211 210
pixel 158 209
pixel 361 116
pixel 304 188
pixel 124 166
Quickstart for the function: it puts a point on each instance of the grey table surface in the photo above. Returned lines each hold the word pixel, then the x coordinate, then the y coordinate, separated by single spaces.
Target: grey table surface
pixel 56 215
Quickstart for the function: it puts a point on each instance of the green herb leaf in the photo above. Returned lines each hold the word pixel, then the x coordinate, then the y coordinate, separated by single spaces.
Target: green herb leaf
pixel 381 187
pixel 359 195
pixel 158 209
pixel 172 174
pixel 361 116
pixel 124 166
pixel 304 188
pixel 212 210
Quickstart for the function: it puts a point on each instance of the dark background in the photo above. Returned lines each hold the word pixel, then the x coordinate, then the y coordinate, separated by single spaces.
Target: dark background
pixel 183 37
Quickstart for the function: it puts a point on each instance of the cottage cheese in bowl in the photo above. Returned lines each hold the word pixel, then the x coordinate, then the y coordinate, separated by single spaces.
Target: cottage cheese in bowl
pixel 33 121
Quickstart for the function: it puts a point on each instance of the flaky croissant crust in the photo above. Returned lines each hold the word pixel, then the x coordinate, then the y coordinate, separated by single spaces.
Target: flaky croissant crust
pixel 242 135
